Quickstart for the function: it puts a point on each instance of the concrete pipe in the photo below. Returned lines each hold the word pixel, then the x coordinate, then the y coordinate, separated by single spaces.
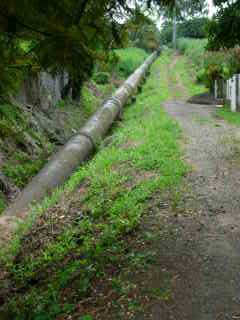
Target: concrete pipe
pixel 79 147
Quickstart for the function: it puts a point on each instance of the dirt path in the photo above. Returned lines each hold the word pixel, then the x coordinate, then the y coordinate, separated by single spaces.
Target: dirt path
pixel 197 276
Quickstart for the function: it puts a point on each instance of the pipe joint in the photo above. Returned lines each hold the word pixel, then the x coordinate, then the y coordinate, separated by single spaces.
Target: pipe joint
pixel 117 102
pixel 129 87
pixel 89 138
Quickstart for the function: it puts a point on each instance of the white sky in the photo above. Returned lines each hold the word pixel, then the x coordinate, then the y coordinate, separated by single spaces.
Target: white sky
pixel 211 12
pixel 211 8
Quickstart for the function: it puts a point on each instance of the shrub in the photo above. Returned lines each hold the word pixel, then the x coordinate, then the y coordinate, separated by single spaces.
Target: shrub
pixel 21 174
pixel 101 77
pixel 194 49
pixel 222 64
pixel 129 60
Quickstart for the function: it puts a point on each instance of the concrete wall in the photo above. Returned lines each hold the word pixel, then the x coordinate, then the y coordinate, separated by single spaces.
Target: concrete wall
pixel 42 90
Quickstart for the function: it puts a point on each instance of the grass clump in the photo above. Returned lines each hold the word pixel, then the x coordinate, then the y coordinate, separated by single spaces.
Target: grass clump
pixel 226 114
pixel 101 77
pixel 188 77
pixel 20 174
pixel 143 158
pixel 194 49
pixel 128 60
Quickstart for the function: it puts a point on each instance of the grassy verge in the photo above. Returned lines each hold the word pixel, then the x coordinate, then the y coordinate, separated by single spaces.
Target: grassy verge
pixel 194 52
pixel 22 160
pixel 226 114
pixel 79 234
pixel 194 49
pixel 183 78
pixel 128 60
pixel 188 77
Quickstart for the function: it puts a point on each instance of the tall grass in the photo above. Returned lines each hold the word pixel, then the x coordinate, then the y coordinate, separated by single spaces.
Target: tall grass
pixel 194 49
pixel 144 158
pixel 128 60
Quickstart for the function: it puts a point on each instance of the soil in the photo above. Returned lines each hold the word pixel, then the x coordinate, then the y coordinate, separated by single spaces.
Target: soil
pixel 198 243
pixel 195 241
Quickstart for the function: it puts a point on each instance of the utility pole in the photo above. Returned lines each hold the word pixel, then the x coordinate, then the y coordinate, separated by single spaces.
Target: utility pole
pixel 174 26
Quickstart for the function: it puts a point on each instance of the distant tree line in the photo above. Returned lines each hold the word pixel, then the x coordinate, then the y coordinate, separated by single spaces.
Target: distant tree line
pixel 192 28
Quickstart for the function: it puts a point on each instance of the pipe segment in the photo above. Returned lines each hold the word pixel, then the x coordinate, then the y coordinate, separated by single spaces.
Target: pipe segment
pixel 79 147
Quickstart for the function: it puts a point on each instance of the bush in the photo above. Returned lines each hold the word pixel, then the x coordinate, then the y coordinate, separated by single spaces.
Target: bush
pixel 21 174
pixel 210 65
pixel 129 60
pixel 101 77
pixel 222 64
pixel 194 49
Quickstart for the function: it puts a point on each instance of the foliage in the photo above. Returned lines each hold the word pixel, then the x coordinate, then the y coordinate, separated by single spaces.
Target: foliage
pixel 194 49
pixel 129 60
pixel 193 28
pixel 101 77
pixel 223 30
pixel 22 161
pixel 3 203
pixel 181 8
pixel 226 114
pixel 210 65
pixel 21 173
pixel 143 32
pixel 121 178
pixel 187 73
pixel 69 36
pixel 222 64
pixel 10 75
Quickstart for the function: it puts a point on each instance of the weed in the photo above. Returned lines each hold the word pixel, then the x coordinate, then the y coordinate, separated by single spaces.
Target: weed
pixel 226 114
pixel 129 60
pixel 101 77
pixel 194 49
pixel 80 253
pixel 86 317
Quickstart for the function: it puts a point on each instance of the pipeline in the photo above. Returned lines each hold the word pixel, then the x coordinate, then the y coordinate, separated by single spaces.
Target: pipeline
pixel 79 147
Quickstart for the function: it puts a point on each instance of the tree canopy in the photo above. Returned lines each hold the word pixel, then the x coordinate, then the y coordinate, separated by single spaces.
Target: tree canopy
pixel 67 35
pixel 223 30
pixel 143 32
pixel 61 35
pixel 192 28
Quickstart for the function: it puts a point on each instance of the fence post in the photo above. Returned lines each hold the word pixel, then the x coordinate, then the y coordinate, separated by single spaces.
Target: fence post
pixel 237 92
pixel 228 91
pixel 233 85
pixel 215 89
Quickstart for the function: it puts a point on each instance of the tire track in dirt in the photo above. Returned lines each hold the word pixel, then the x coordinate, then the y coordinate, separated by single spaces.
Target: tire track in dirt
pixel 198 243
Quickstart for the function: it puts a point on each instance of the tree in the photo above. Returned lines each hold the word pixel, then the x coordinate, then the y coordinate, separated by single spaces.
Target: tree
pixel 192 28
pixel 223 30
pixel 66 35
pixel 143 32
pixel 182 10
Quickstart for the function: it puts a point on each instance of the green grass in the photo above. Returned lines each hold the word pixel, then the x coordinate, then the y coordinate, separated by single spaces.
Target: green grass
pixel 194 49
pixel 188 77
pixel 143 158
pixel 129 60
pixel 16 127
pixel 226 114
pixel 21 166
